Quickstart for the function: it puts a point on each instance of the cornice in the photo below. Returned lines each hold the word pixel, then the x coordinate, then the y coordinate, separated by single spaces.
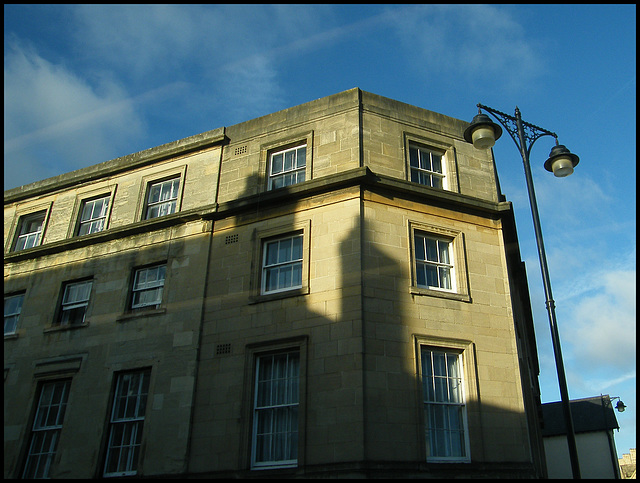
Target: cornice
pixel 362 177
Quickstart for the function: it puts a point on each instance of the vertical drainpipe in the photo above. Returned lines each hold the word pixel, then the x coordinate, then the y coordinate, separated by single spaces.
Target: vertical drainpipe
pixel 198 347
pixel 362 318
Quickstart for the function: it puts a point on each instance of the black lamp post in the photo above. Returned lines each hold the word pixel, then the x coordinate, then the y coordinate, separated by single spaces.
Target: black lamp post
pixel 482 133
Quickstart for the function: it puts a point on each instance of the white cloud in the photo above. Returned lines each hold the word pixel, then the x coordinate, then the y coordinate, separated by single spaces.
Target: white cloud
pixel 233 55
pixel 602 328
pixel 481 42
pixel 250 88
pixel 54 117
pixel 146 40
pixel 566 201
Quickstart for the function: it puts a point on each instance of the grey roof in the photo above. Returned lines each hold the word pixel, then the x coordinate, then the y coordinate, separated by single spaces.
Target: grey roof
pixel 588 414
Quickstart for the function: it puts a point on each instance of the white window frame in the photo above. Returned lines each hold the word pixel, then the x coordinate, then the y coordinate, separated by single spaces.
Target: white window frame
pixel 31 238
pixel 444 393
pixel 127 420
pixel 457 261
pixel 170 189
pixel 47 425
pixel 443 262
pixel 284 176
pixel 75 298
pixel 92 220
pixel 423 166
pixel 12 312
pixel 279 266
pixel 156 284
pixel 276 399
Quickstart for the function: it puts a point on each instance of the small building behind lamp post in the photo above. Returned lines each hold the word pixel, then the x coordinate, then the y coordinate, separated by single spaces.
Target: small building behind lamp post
pixel 594 421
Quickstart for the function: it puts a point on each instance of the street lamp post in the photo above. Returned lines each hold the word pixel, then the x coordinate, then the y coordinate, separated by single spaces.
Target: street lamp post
pixel 482 133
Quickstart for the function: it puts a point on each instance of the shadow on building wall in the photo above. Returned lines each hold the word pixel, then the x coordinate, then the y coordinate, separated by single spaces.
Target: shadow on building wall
pixel 362 408
pixel 360 397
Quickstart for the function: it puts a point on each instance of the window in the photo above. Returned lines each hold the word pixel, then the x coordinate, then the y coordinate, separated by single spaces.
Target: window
pixel 126 422
pixel 275 410
pixel 438 262
pixel 162 198
pixel 426 166
pixel 148 284
pixel 29 231
pixel 282 264
pixel 46 429
pixel 444 405
pixel 433 258
pixel 75 300
pixel 12 309
pixel 93 216
pixel 287 167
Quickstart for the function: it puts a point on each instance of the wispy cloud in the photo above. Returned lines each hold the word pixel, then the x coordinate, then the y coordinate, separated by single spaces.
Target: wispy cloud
pixel 52 115
pixel 596 385
pixel 602 327
pixel 479 42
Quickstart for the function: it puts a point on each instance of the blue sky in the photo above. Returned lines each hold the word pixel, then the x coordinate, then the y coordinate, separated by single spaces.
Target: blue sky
pixel 85 84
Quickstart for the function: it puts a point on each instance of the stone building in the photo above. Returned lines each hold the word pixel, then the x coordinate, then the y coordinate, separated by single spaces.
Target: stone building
pixel 628 465
pixel 334 289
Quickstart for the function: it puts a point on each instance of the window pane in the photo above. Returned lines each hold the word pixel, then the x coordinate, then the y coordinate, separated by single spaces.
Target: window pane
pixel 175 184
pixel 279 273
pixel 420 248
pixel 301 160
pixel 271 279
pixel 12 309
pixel 153 212
pixel 284 277
pixel 413 156
pixel 296 249
pixel 10 324
pixel 425 161
pixel 276 163
pixel 29 231
pixel 33 225
pixel 284 250
pixel 432 275
pixel 154 193
pixel 289 158
pixel 296 275
pixel 77 292
pixel 276 422
pixel 272 253
pixel 444 412
pixel 421 275
pixel 432 250
pixel 87 211
pixel 162 198
pixel 148 286
pixel 445 278
pixel 13 304
pixel 443 248
pixel 46 427
pixel 436 163
pixel 125 433
pixel 74 316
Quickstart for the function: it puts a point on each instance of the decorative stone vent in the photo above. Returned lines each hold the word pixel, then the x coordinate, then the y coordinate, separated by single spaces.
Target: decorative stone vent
pixel 222 349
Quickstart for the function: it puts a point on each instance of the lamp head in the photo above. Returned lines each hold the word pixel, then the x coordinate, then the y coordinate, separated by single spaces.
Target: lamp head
pixel 561 161
pixel 620 406
pixel 482 132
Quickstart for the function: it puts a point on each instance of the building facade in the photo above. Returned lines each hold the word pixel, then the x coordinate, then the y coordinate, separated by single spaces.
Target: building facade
pixel 594 421
pixel 334 289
